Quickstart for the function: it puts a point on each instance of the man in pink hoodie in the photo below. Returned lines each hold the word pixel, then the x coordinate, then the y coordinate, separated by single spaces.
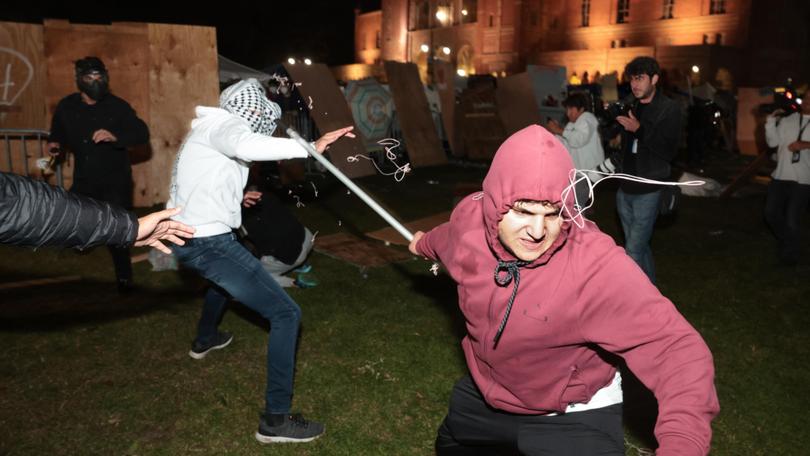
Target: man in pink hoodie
pixel 548 306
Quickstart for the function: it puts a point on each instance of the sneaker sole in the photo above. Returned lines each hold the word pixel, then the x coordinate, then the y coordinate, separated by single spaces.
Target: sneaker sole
pixel 278 439
pixel 202 355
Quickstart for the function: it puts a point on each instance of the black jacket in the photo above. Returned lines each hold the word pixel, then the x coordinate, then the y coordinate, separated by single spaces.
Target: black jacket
pixel 34 213
pixel 74 123
pixel 658 140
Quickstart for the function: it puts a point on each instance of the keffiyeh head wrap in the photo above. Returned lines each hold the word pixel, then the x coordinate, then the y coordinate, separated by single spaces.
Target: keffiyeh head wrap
pixel 247 100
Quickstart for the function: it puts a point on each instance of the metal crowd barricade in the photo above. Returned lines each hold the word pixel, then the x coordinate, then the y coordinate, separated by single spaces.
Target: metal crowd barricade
pixel 11 136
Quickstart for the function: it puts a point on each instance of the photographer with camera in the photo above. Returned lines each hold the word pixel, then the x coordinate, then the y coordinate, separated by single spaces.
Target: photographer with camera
pixel 580 136
pixel 652 132
pixel 789 191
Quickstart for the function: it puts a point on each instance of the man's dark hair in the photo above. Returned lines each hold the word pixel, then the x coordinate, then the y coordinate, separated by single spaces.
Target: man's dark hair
pixel 576 100
pixel 642 65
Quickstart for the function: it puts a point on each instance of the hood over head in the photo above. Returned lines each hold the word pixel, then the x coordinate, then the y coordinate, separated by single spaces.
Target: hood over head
pixel 530 165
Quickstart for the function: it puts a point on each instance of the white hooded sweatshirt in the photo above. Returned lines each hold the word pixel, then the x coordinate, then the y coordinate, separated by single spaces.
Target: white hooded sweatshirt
pixel 211 169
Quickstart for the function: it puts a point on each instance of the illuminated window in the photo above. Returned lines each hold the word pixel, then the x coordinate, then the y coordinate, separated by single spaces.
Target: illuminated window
pixel 586 13
pixel 669 6
pixel 717 7
pixel 622 11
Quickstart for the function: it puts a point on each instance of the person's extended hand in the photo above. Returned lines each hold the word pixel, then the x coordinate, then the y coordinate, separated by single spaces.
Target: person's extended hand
pixel 796 146
pixel 630 123
pixel 103 135
pixel 324 141
pixel 554 127
pixel 416 237
pixel 156 226
pixel 251 198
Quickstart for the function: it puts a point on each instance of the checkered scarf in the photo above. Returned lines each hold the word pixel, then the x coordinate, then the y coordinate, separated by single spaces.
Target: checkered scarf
pixel 247 100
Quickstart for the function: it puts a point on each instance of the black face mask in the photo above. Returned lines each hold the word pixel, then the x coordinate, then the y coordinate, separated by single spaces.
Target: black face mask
pixel 96 89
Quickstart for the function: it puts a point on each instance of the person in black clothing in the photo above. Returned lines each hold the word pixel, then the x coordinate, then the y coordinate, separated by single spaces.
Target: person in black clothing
pixel 273 233
pixel 98 127
pixel 35 214
pixel 652 133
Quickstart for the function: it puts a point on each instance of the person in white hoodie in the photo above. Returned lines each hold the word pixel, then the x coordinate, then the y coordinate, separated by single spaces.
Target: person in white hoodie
pixel 581 137
pixel 208 181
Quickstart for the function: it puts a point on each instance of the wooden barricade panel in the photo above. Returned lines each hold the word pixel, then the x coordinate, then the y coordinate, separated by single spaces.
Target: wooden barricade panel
pixel 481 131
pixel 418 130
pixel 183 74
pixel 445 79
pixel 22 80
pixel 516 103
pixel 330 111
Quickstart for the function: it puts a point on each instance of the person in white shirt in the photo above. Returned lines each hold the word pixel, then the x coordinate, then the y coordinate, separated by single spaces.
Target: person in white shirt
pixel 581 137
pixel 208 181
pixel 789 190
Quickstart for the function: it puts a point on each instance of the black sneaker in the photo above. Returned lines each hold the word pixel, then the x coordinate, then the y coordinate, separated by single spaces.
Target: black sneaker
pixel 290 429
pixel 198 350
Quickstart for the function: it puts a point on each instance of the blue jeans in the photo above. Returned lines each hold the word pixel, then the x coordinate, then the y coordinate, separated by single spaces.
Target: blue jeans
pixel 235 272
pixel 638 213
pixel 784 207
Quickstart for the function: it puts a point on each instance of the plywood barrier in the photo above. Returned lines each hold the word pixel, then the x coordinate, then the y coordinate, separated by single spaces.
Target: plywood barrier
pixel 161 70
pixel 516 104
pixel 183 74
pixel 479 124
pixel 445 79
pixel 330 111
pixel 418 130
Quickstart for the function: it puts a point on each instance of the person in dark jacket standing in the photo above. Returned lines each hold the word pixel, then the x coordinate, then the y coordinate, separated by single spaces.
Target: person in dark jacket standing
pixel 652 133
pixel 35 214
pixel 98 127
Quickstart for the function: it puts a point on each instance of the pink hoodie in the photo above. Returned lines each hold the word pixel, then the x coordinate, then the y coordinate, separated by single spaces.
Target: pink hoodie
pixel 582 293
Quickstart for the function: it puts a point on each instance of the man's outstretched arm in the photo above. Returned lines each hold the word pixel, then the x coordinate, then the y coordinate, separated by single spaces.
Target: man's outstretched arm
pixel 33 213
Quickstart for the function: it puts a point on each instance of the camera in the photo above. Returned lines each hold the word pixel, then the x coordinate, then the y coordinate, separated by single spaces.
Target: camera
pixel 785 100
pixel 607 117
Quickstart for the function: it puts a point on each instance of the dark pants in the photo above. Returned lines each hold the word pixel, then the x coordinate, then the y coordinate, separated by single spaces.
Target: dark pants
pixel 473 428
pixel 236 272
pixel 784 208
pixel 118 192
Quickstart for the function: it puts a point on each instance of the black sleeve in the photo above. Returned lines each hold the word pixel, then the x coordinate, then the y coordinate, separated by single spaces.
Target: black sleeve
pixel 58 133
pixel 130 129
pixel 35 214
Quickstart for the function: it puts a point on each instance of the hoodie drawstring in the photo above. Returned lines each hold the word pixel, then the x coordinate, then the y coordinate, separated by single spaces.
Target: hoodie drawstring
pixel 512 272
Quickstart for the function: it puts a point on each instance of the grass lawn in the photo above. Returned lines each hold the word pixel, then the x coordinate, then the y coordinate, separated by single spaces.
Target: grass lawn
pixel 84 371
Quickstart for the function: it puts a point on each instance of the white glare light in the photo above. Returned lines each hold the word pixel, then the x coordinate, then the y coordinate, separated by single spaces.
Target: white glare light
pixel 424 48
pixel 441 15
pixel 307 61
pixel 461 72
pixel 695 69
pixel 291 61
pixel 799 100
pixel 464 12
pixel 446 50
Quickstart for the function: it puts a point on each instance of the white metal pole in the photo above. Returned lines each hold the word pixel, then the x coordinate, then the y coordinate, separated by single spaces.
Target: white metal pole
pixel 352 186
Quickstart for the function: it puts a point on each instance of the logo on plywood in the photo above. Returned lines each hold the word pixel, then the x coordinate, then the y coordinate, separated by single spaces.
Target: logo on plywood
pixel 16 73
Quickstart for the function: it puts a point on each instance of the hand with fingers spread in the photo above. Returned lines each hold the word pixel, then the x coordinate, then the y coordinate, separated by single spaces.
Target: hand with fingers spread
pixel 157 226
pixel 324 141
pixel 629 122
pixel 102 135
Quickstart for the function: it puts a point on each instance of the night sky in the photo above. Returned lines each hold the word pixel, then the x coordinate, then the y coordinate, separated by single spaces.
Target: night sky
pixel 257 34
